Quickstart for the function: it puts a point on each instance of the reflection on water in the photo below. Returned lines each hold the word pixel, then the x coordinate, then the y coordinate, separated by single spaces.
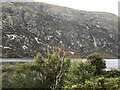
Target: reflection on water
pixel 112 64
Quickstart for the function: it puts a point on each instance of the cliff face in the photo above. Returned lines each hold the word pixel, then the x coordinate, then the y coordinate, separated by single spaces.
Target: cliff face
pixel 29 28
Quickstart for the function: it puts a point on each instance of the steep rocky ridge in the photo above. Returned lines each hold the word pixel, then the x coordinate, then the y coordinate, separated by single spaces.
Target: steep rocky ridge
pixel 29 28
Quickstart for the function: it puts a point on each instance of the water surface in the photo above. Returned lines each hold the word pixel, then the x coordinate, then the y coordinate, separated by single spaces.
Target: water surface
pixel 110 63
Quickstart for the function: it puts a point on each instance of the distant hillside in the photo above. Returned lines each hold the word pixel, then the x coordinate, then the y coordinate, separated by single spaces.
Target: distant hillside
pixel 29 28
pixel 17 0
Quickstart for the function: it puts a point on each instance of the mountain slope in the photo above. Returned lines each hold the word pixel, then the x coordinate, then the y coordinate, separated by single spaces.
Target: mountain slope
pixel 29 28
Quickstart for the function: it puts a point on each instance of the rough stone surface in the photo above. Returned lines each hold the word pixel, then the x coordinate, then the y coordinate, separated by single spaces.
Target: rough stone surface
pixel 29 28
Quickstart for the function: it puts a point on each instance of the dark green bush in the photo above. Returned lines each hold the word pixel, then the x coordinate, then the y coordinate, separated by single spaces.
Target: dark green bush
pixel 113 73
pixel 43 73
pixel 97 61
pixel 55 72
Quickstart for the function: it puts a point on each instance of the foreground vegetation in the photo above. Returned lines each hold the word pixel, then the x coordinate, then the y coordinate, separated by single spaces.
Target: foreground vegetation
pixel 56 72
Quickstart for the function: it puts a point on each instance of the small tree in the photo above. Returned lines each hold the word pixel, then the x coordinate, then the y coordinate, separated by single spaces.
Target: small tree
pixel 78 73
pixel 97 61
pixel 56 68
pixel 52 69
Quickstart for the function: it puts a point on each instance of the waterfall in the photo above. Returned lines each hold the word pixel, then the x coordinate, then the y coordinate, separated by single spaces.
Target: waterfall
pixel 94 41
